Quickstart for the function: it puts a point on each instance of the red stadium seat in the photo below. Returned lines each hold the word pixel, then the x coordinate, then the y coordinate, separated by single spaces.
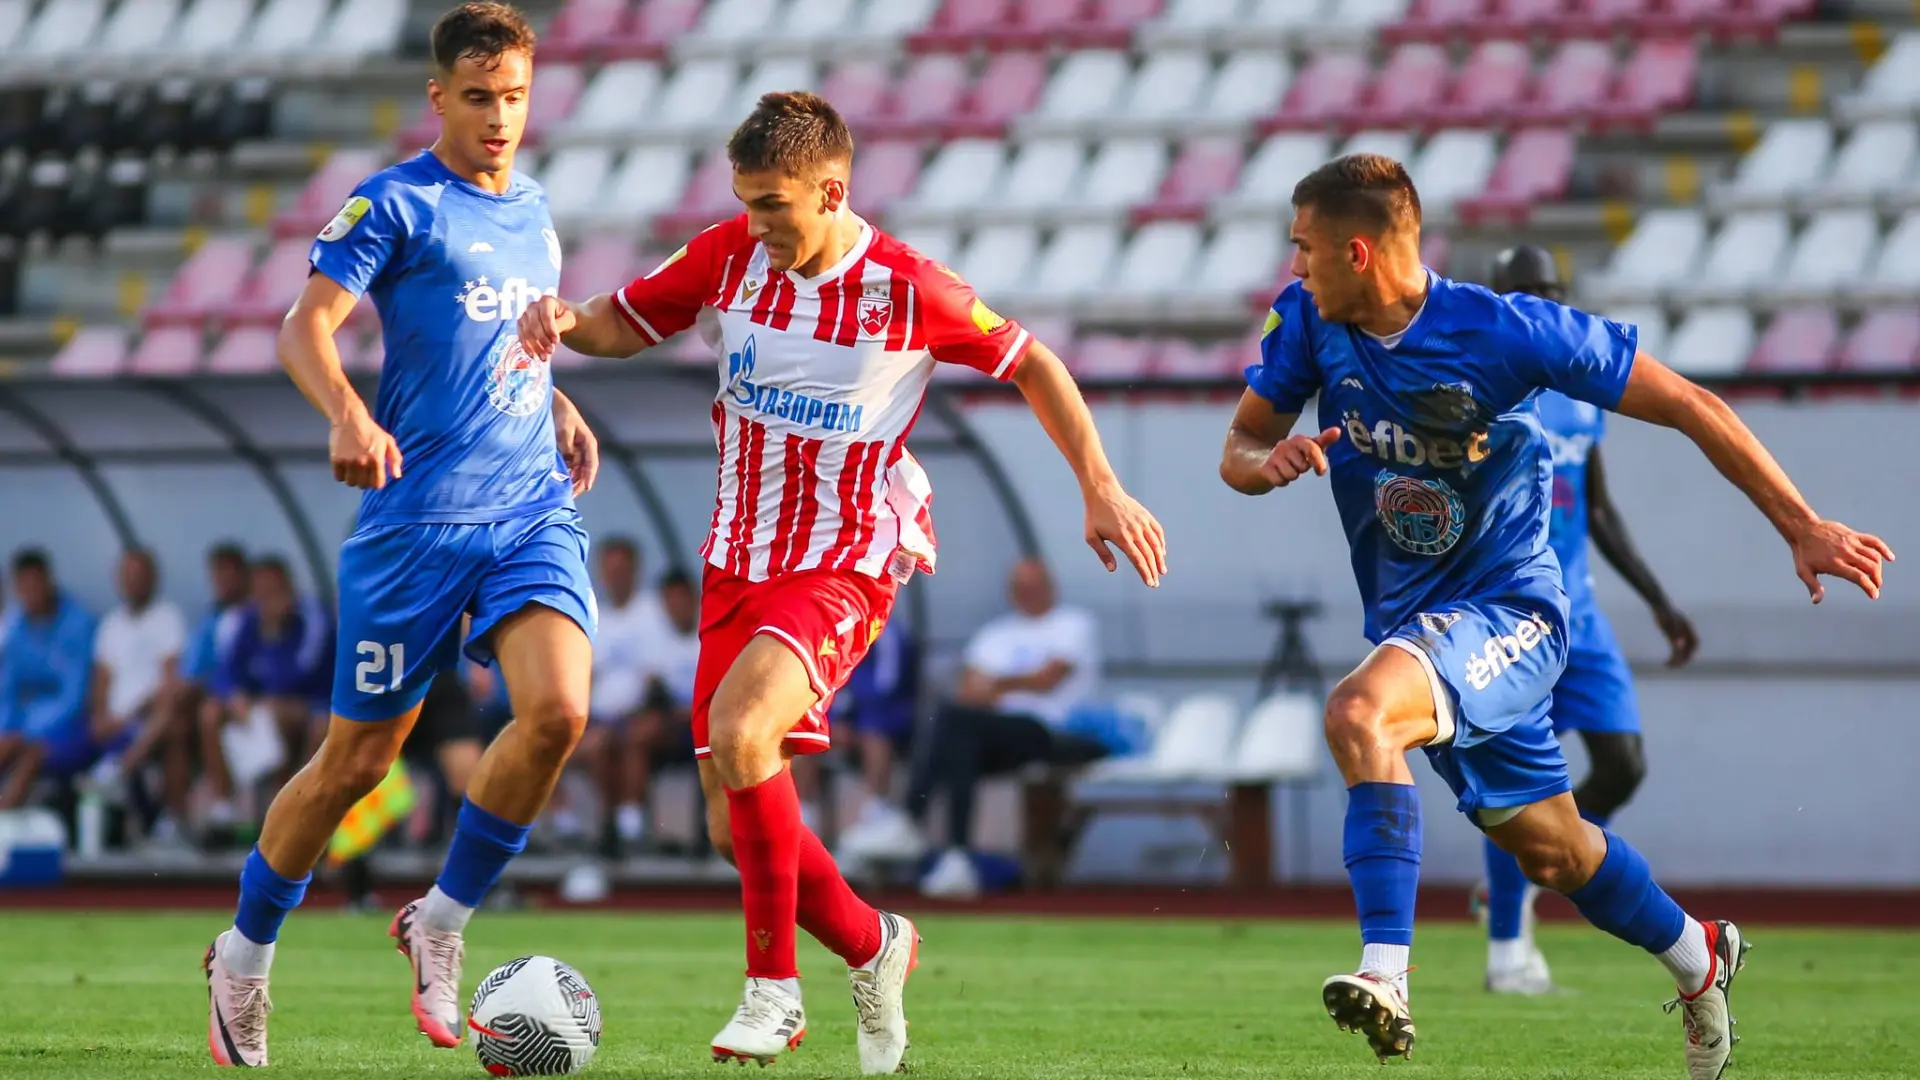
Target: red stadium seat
pixel 1009 87
pixel 930 92
pixel 1521 19
pixel 601 263
pixel 1407 89
pixel 884 173
pixel 1536 167
pixel 1036 24
pixel 652 27
pixel 708 198
pixel 327 189
pixel 1602 18
pixel 1206 169
pixel 248 350
pixel 1797 341
pixel 1435 20
pixel 272 287
pixel 168 350
pixel 1110 358
pixel 556 91
pixel 1572 85
pixel 581 29
pixel 1124 15
pixel 1886 340
pixel 1330 85
pixel 1491 82
pixel 203 285
pixel 1658 78
pixel 93 352
pixel 1054 331
pixel 858 89
pixel 961 25
pixel 1182 358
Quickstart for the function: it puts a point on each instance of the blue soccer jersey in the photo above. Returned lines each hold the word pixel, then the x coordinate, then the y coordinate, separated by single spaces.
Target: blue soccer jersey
pixel 1573 429
pixel 450 268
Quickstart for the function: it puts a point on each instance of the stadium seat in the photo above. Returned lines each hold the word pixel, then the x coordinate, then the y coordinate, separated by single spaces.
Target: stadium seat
pixel 167 350
pixel 1887 339
pixel 1323 92
pixel 818 20
pixel 1182 358
pixel 574 178
pixel 1361 16
pixel 1891 88
pixel 1086 86
pixel 1170 84
pixel 697 95
pixel 1519 20
pixel 248 350
pixel 1876 158
pixel 1662 251
pixel 706 198
pixel 997 260
pixel 363 28
pixel 61 33
pixel 616 99
pixel 581 28
pixel 773 74
pixel 556 93
pixel 961 175
pixel 884 173
pixel 737 21
pixel 1204 170
pixel 136 28
pixel 1157 261
pixel 1791 157
pixel 1039 24
pixel 203 285
pixel 1536 167
pixel 13 22
pixel 1746 253
pixel 1294 20
pixel 1077 262
pixel 282 32
pixel 1713 342
pixel 1601 19
pixel 858 89
pixel 1896 273
pixel 326 191
pixel 1239 262
pixel 1572 84
pixel 271 287
pixel 1395 144
pixel 1435 20
pixel 1043 173
pixel 1284 739
pixel 1404 91
pixel 1123 173
pixel 1453 165
pixel 1798 341
pixel 1650 321
pixel 931 91
pixel 1658 78
pixel 1281 161
pixel 962 25
pixel 1055 331
pixel 1489 86
pixel 1829 258
pixel 896 20
pixel 652 26
pixel 93 352
pixel 1194 744
pixel 1008 87
pixel 208 29
pixel 940 243
pixel 1108 358
pixel 1248 86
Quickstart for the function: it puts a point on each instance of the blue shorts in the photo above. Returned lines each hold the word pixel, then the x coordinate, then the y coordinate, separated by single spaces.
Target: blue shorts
pixel 403 589
pixel 892 719
pixel 1596 691
pixel 1493 665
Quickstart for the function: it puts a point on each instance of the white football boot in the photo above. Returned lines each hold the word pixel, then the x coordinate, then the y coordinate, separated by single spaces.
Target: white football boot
pixel 435 956
pixel 768 1021
pixel 1709 1024
pixel 237 1011
pixel 1373 1005
pixel 879 991
pixel 1531 979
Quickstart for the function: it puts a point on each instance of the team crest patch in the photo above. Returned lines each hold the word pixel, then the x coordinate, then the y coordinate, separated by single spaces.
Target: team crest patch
pixel 344 221
pixel 553 246
pixel 517 382
pixel 985 318
pixel 1437 623
pixel 1272 324
pixel 668 261
pixel 1425 517
pixel 875 313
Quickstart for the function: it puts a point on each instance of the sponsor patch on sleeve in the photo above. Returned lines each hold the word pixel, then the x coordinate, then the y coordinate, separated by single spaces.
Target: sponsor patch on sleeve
pixel 670 260
pixel 349 216
pixel 986 318
pixel 1273 323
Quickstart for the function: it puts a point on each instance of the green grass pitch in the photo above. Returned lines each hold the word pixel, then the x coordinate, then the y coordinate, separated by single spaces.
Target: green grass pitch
pixel 122 996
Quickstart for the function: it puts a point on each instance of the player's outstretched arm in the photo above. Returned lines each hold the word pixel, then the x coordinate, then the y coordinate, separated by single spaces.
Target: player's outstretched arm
pixel 362 454
pixel 1609 532
pixel 1113 517
pixel 576 441
pixel 591 328
pixel 1657 394
pixel 1261 453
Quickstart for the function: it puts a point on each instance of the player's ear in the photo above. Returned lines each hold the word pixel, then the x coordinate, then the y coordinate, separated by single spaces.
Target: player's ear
pixel 437 97
pixel 833 194
pixel 1360 254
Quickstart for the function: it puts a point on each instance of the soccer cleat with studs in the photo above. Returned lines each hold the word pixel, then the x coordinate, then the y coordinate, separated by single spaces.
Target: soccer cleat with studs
pixel 769 1021
pixel 879 988
pixel 1373 1005
pixel 1706 1015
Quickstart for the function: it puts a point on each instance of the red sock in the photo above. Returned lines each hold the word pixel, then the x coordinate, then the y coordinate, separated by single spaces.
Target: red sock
pixel 830 910
pixel 765 821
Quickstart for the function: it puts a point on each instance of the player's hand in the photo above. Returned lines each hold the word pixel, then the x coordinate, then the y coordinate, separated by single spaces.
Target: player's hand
pixel 1114 517
pixel 1298 455
pixel 363 455
pixel 1681 640
pixel 542 324
pixel 577 443
pixel 1830 548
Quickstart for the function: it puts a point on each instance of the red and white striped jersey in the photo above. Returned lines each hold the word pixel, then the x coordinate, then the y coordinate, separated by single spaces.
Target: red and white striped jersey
pixel 821 379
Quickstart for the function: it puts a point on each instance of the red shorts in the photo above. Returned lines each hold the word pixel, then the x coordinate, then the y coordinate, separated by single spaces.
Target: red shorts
pixel 829 618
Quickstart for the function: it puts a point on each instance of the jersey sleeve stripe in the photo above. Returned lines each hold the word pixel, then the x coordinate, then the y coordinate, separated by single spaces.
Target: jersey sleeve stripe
pixel 1013 354
pixel 634 319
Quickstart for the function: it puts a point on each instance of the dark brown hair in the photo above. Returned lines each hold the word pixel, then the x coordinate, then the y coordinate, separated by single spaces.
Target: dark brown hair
pixel 483 31
pixel 1368 193
pixel 792 132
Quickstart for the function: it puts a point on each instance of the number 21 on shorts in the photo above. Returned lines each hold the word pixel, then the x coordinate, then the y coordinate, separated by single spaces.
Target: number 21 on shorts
pixel 377 658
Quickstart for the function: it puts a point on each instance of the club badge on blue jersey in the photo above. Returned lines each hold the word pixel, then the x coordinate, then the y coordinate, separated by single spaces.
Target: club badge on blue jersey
pixel 1425 517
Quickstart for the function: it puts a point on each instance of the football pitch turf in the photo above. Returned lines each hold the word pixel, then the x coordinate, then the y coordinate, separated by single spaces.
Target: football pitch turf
pixel 113 995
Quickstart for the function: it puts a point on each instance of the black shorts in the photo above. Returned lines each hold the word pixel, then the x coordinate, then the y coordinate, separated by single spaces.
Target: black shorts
pixel 447 715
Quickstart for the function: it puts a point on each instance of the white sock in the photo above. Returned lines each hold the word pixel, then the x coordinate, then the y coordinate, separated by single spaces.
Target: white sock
pixel 1390 961
pixel 1510 955
pixel 442 912
pixel 245 958
pixel 1689 959
pixel 790 986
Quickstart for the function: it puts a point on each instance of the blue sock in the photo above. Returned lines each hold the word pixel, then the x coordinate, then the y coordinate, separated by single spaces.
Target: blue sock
pixel 1622 899
pixel 1506 895
pixel 1382 851
pixel 265 899
pixel 483 845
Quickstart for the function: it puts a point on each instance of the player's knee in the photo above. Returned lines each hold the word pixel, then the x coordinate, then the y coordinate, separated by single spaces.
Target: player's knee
pixel 552 727
pixel 1554 864
pixel 354 766
pixel 1355 721
pixel 1619 765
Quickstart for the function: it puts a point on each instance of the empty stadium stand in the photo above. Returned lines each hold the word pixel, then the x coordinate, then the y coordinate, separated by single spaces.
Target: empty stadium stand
pixel 1739 177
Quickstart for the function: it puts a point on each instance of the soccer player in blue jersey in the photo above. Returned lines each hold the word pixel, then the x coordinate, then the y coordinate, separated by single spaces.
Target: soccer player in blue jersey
pixel 469 510
pixel 1595 694
pixel 1441 476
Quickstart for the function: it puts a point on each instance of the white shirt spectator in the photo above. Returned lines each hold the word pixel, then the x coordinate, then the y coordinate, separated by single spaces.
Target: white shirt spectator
pixel 1017 644
pixel 134 647
pixel 620 648
pixel 672 657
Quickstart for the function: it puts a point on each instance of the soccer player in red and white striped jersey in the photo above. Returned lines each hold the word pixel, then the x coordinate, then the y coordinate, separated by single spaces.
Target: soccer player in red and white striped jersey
pixel 828 331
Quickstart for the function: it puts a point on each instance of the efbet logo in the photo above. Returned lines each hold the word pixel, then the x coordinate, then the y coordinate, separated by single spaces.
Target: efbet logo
pixel 485 302
pixel 1502 651
pixel 785 404
pixel 1389 441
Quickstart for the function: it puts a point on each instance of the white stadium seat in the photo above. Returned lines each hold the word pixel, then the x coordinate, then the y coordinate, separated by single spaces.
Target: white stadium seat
pixel 1652 324
pixel 282 29
pixel 1790 158
pixel 1281 161
pixel 699 92
pixel 1661 251
pixel 1124 172
pixel 1158 260
pixel 897 18
pixel 1712 341
pixel 819 20
pixel 1892 87
pixel 1896 274
pixel 1086 85
pixel 738 20
pixel 1283 739
pixel 1292 17
pixel 1043 173
pixel 938 242
pixel 210 28
pixel 138 27
pixel 619 95
pixel 1877 158
pixel 1200 14
pixel 778 73
pixel 63 29
pixel 1248 85
pixel 1241 259
pixel 1364 15
pixel 1076 263
pixel 997 259
pixel 962 175
pixel 13 22
pixel 1195 743
pixel 574 178
pixel 1831 254
pixel 1452 166
pixel 1397 145
pixel 1168 85
pixel 1745 253
pixel 362 28
pixel 649 181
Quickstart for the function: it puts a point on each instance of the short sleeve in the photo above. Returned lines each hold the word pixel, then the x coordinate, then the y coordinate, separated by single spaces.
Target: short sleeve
pixel 1287 375
pixel 1080 642
pixel 668 298
pixel 1586 357
pixel 362 239
pixel 172 632
pixel 962 329
pixel 983 650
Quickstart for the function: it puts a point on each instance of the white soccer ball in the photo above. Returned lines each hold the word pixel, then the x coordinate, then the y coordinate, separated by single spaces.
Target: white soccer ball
pixel 534 1016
